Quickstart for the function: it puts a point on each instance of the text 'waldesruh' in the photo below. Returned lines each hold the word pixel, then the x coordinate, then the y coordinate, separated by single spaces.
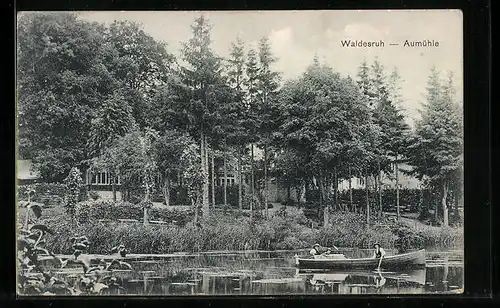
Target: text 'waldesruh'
pixel 362 43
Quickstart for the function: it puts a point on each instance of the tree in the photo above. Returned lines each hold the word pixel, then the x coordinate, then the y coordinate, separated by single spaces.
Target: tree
pixel 114 119
pixel 252 120
pixel 324 117
pixel 169 149
pixel 436 150
pixel 132 157
pixel 394 129
pixel 235 112
pixel 139 63
pixel 201 77
pixel 193 175
pixel 268 82
pixel 67 70
pixel 61 83
pixel 73 183
pixel 364 81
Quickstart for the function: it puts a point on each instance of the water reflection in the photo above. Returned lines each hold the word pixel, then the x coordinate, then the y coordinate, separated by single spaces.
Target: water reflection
pixel 273 273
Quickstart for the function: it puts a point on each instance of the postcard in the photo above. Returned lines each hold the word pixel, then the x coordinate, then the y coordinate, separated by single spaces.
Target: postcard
pixel 230 153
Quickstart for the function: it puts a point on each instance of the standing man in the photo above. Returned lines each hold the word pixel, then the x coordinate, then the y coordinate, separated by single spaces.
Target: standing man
pixel 379 253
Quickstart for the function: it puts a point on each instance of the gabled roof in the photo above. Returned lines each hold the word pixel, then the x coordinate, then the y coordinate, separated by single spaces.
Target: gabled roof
pixel 25 172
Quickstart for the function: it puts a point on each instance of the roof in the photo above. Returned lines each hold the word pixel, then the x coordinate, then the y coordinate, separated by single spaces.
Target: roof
pixel 24 170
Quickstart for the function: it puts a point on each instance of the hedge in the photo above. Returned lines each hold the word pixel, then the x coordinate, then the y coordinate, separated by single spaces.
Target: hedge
pixel 94 210
pixel 179 196
pixel 47 193
pixel 410 199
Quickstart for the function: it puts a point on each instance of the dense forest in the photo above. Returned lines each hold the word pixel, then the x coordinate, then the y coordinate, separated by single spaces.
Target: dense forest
pixel 112 97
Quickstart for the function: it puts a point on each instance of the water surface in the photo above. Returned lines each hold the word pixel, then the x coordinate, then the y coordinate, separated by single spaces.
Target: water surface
pixel 274 273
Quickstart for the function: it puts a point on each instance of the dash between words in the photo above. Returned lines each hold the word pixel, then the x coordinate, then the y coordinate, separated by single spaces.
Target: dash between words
pixel 381 43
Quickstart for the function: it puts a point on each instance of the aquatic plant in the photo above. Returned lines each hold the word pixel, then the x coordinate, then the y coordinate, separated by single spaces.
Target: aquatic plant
pixel 36 279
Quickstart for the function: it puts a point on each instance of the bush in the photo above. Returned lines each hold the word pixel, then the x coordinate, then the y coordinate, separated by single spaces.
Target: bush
pixel 232 231
pixel 49 194
pixel 94 195
pixel 353 234
pixel 407 237
pixel 91 211
pixel 409 198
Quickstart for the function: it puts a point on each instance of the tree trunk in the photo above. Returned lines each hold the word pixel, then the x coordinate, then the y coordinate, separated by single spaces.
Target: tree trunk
pixel 306 189
pixel 298 192
pixel 225 175
pixel 421 214
pixel 204 162
pixel 277 198
pixel 336 187
pixel 397 188
pixel 166 189
pixel 145 221
pixel 213 177
pixel 194 203
pixel 240 182
pixel 367 201
pixel 350 190
pixel 323 204
pixel 252 188
pixel 265 181
pixel 27 214
pixel 436 211
pixel 379 191
pixel 303 191
pixel 444 204
pixel 457 195
pixel 113 186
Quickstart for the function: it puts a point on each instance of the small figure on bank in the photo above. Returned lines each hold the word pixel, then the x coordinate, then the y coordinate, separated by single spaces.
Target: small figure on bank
pixel 379 253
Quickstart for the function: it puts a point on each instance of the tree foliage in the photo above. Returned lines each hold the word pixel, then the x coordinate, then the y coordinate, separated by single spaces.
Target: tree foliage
pixel 111 97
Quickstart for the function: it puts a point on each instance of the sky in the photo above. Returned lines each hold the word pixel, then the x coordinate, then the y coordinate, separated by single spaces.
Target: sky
pixel 297 36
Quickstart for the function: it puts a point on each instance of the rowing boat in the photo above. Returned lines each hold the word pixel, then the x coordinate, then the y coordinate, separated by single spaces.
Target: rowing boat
pixel 400 261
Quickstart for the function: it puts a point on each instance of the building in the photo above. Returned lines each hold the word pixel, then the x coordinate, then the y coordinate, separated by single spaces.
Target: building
pixel 388 180
pixel 100 181
pixel 25 173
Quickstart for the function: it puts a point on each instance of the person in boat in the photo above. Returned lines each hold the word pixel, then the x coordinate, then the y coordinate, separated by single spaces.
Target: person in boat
pixel 378 253
pixel 327 252
pixel 317 250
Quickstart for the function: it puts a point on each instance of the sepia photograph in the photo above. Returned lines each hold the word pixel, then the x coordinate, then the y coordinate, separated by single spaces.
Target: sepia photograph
pixel 229 153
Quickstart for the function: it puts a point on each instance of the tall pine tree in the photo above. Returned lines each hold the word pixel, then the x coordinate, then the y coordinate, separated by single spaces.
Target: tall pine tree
pixel 436 150
pixel 202 77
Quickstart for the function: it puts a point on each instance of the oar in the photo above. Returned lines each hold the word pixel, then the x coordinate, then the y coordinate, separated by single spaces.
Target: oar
pixel 380 263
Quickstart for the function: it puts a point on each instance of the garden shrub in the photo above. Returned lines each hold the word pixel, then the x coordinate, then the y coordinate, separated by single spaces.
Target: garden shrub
pixel 50 194
pixel 94 195
pixel 94 210
pixel 349 230
pixel 232 231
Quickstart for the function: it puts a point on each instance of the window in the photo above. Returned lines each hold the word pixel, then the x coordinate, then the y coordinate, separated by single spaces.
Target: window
pixel 232 181
pixel 100 178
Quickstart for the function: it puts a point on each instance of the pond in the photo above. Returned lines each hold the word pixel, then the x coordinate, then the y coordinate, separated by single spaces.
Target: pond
pixel 275 273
